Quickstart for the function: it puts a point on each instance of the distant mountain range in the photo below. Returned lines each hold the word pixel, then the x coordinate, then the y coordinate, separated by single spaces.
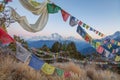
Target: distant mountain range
pixel 54 36
pixel 82 46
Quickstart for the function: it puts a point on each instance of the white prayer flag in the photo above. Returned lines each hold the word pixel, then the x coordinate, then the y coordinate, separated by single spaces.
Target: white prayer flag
pixel 21 53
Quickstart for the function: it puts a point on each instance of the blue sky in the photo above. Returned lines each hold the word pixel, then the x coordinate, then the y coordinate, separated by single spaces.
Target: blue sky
pixel 102 15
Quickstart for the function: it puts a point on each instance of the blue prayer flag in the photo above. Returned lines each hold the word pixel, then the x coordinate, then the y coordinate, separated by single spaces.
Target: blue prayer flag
pixel 73 21
pixel 36 63
pixel 81 31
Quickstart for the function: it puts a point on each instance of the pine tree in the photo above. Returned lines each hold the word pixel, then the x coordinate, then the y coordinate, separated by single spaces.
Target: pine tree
pixel 56 47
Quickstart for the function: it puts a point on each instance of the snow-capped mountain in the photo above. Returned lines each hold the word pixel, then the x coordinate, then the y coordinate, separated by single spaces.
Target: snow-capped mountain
pixel 115 36
pixel 54 36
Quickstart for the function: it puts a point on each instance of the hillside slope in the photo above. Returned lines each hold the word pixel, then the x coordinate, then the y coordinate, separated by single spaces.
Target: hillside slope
pixel 12 69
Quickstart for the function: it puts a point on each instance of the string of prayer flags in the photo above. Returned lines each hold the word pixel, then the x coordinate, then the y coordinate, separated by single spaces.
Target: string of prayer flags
pixel 52 8
pixel 21 53
pixel 65 15
pixel 117 58
pixel 93 43
pixel 73 21
pixel 60 72
pixel 48 69
pixel 36 63
pixel 5 38
pixel 90 28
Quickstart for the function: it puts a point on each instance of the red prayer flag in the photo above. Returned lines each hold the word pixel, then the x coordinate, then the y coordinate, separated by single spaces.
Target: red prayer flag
pixel 8 0
pixel 5 38
pixel 102 35
pixel 65 15
pixel 80 23
pixel 96 32
pixel 87 38
pixel 67 74
pixel 100 49
pixel 112 41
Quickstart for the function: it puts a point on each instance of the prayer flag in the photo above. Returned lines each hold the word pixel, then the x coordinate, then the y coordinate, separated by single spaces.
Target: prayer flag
pixel 5 38
pixel 102 35
pixel 107 53
pixel 100 49
pixel 114 51
pixel 93 43
pixel 96 32
pixel 60 72
pixel 117 58
pixel 109 46
pixel 87 26
pixel 118 43
pixel 48 69
pixel 84 24
pixel 97 44
pixel 80 23
pixel 6 1
pixel 65 15
pixel 1 7
pixel 52 8
pixel 81 31
pixel 112 41
pixel 67 74
pixel 73 21
pixel 21 53
pixel 115 42
pixel 87 38
pixel 34 3
pixel 36 63
pixel 91 29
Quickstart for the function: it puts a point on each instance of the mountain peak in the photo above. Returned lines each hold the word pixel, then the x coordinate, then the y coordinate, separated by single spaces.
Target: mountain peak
pixel 56 36
pixel 53 36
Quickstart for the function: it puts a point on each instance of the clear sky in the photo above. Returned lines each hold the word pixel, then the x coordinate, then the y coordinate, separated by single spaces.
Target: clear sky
pixel 102 15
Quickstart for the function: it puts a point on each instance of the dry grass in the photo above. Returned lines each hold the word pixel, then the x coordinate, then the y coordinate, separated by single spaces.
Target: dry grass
pixel 11 69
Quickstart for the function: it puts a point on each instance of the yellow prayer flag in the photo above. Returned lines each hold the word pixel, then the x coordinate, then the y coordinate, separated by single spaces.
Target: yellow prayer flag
pixel 1 7
pixel 34 3
pixel 118 43
pixel 48 69
pixel 87 26
pixel 109 46
pixel 117 58
pixel 4 27
pixel 97 44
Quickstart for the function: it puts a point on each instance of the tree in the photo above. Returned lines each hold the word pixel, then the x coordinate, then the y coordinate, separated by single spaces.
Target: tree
pixel 56 47
pixel 71 47
pixel 45 48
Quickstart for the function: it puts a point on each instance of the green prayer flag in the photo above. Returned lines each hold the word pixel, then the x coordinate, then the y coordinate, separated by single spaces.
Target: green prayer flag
pixel 52 8
pixel 93 43
pixel 84 24
pixel 59 71
pixel 99 33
